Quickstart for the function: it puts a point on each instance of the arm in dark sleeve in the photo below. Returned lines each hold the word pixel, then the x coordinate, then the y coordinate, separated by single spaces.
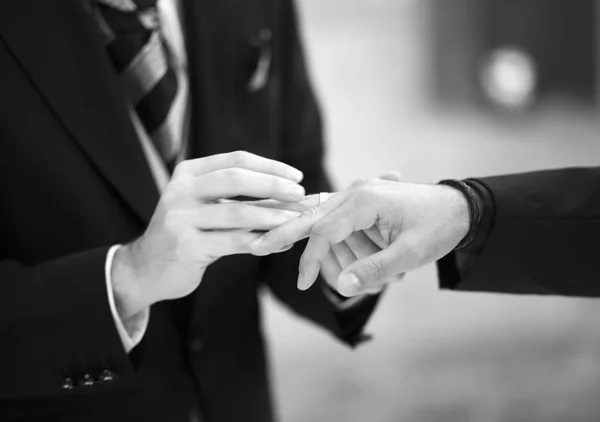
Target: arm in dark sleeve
pixel 56 326
pixel 303 148
pixel 456 266
pixel 542 238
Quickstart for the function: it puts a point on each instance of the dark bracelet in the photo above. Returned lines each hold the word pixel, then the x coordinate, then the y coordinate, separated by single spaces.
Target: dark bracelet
pixel 474 205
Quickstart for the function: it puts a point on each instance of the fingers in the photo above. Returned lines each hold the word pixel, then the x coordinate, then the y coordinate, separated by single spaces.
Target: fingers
pixel 309 201
pixel 230 182
pixel 330 270
pixel 225 243
pixel 361 246
pixel 400 257
pixel 357 246
pixel 232 242
pixel 316 250
pixel 345 220
pixel 374 234
pixel 372 274
pixel 299 228
pixel 240 215
pixel 344 255
pixel 238 159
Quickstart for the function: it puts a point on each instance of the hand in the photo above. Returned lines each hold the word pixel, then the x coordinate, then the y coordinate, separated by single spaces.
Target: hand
pixel 335 257
pixel 191 229
pixel 418 224
pixel 330 260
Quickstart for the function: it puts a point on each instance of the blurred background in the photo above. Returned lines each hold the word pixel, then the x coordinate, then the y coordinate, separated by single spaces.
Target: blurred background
pixel 450 89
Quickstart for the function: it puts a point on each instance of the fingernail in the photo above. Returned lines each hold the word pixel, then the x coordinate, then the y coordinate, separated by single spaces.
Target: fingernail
pixel 297 175
pixel 296 192
pixel 349 285
pixel 301 281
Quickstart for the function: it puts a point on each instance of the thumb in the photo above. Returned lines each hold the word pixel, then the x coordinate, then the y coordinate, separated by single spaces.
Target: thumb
pixel 372 272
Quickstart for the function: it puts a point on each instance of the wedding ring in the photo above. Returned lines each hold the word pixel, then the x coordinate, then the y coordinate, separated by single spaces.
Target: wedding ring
pixel 323 196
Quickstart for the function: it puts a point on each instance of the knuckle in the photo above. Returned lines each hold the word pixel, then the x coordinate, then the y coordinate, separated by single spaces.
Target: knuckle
pixel 376 268
pixel 183 185
pixel 363 198
pixel 234 176
pixel 182 168
pixel 239 158
pixel 371 180
pixel 363 188
pixel 322 227
pixel 360 183
pixel 310 214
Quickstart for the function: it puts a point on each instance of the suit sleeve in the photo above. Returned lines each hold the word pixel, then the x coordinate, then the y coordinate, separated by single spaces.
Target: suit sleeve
pixel 301 132
pixel 57 330
pixel 543 239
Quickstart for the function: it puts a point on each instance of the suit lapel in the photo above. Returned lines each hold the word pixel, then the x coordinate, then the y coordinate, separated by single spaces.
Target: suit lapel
pixel 56 44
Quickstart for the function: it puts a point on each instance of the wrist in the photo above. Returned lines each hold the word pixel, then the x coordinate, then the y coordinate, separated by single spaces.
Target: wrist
pixel 469 209
pixel 130 291
pixel 460 215
pixel 463 216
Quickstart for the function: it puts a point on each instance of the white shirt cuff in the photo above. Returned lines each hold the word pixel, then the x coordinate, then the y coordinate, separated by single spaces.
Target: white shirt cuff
pixel 131 335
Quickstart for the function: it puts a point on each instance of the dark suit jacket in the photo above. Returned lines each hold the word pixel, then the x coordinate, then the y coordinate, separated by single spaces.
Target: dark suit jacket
pixel 74 181
pixel 544 237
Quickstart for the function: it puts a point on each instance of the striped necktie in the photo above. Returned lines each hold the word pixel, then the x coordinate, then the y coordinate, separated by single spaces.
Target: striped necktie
pixel 131 30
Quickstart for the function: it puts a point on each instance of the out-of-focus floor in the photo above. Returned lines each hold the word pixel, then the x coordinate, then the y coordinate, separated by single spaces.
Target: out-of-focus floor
pixel 436 356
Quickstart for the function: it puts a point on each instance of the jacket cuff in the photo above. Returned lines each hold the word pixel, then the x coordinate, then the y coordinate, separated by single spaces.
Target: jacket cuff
pixel 454 267
pixel 74 348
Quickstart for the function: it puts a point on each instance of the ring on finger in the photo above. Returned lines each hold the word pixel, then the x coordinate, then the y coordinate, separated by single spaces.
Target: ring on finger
pixel 323 196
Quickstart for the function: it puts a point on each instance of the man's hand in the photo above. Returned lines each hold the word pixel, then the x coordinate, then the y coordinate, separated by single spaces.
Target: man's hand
pixel 414 224
pixel 330 260
pixel 191 228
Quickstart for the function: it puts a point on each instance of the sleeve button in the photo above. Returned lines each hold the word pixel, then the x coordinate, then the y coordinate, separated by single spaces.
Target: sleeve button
pixel 87 381
pixel 107 377
pixel 67 384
